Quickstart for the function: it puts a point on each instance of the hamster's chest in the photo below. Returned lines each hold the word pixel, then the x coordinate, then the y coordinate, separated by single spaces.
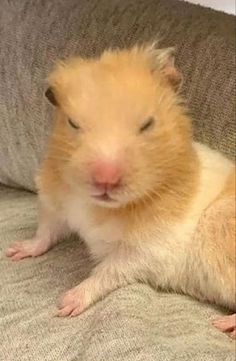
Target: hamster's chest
pixel 100 235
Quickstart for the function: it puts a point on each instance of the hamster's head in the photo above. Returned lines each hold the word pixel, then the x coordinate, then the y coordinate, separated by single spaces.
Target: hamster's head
pixel 121 132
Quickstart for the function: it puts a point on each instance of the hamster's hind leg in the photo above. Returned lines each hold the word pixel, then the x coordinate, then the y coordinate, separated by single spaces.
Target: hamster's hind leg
pixel 226 324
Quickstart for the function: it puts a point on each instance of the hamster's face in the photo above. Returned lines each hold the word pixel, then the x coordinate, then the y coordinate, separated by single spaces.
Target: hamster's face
pixel 119 130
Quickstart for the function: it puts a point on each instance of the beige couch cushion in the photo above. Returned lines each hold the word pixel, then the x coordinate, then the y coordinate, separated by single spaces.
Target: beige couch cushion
pixel 35 34
pixel 134 323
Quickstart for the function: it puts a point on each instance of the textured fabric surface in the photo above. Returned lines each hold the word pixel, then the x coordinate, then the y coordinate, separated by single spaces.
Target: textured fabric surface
pixel 34 34
pixel 134 323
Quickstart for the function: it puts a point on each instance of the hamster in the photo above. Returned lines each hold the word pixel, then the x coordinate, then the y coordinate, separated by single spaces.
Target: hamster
pixel 122 170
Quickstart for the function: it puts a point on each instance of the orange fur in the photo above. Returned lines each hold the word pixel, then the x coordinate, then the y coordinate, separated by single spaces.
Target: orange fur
pixel 214 245
pixel 172 222
pixel 110 97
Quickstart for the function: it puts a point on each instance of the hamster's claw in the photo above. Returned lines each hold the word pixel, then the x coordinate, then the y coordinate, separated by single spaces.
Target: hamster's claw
pixel 73 302
pixel 27 248
pixel 20 250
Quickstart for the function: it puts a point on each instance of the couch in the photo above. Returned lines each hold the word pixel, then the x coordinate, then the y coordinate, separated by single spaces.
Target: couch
pixel 134 323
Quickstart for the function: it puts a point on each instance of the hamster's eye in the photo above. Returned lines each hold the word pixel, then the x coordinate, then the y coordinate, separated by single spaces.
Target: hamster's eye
pixel 147 125
pixel 72 124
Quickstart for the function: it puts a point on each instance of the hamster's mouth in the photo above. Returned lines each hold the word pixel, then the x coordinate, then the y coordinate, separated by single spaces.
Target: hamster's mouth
pixel 103 197
pixel 106 199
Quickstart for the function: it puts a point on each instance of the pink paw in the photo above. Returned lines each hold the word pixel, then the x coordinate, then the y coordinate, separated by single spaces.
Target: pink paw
pixel 23 249
pixel 73 302
pixel 226 324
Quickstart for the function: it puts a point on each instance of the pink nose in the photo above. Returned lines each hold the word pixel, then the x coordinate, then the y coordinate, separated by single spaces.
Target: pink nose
pixel 106 175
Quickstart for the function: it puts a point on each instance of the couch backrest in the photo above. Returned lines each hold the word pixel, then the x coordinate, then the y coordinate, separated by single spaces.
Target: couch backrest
pixel 35 34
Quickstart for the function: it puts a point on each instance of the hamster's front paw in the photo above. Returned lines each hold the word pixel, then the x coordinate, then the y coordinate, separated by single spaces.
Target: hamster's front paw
pixel 226 324
pixel 27 248
pixel 76 300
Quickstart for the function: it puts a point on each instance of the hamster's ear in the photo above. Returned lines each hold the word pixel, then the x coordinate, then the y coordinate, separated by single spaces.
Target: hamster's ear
pixel 172 74
pixel 51 96
pixel 164 60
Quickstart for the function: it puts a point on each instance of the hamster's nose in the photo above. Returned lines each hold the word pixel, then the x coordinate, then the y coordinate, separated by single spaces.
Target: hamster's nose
pixel 106 175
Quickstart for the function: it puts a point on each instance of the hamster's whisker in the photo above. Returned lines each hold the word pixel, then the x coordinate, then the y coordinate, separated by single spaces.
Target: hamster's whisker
pixel 59 158
pixel 63 141
pixel 61 149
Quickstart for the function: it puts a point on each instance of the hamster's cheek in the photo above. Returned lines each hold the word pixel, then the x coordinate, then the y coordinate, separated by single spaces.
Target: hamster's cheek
pixel 74 177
